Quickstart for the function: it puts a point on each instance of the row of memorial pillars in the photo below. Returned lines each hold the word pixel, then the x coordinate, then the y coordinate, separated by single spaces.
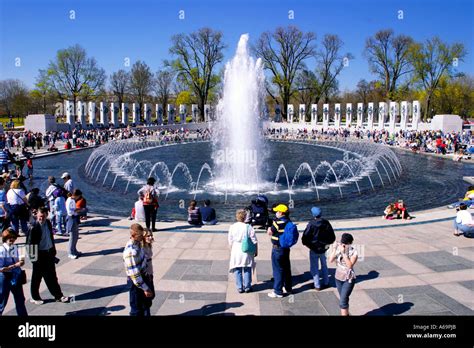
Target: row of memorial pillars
pixel 111 114
pixel 386 116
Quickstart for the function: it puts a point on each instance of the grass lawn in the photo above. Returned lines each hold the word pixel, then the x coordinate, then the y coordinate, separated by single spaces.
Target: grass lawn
pixel 17 121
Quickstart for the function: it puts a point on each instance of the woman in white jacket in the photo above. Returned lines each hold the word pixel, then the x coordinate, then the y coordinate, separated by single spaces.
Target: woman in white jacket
pixel 241 264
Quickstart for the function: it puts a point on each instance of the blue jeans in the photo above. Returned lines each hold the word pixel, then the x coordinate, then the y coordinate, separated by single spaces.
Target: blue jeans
pixel 60 223
pixel 465 229
pixel 73 229
pixel 468 203
pixel 281 267
pixel 344 289
pixel 247 278
pixel 16 213
pixel 212 222
pixel 314 268
pixel 17 291
pixel 139 303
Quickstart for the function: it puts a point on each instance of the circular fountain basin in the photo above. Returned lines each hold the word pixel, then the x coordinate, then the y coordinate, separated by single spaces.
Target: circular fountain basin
pixel 301 174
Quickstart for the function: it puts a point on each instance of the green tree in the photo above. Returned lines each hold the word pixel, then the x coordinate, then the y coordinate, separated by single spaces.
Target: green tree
pixel 284 52
pixel 73 74
pixel 120 85
pixel 14 97
pixel 196 56
pixel 432 60
pixel 163 85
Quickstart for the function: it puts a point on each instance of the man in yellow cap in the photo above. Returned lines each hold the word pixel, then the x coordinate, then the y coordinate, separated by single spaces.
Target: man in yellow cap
pixel 280 256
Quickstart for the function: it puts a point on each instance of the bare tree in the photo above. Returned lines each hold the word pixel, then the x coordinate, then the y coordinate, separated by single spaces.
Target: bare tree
pixel 197 55
pixel 120 84
pixel 387 55
pixel 163 86
pixel 13 97
pixel 141 83
pixel 284 52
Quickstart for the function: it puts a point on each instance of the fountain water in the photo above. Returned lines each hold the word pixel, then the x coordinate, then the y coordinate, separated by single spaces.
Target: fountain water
pixel 237 142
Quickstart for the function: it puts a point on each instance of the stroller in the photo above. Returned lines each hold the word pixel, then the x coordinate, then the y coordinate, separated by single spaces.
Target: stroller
pixel 257 212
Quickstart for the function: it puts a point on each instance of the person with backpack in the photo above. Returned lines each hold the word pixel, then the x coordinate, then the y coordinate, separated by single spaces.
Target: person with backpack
pixel 258 212
pixel 150 202
pixel 284 234
pixel 318 236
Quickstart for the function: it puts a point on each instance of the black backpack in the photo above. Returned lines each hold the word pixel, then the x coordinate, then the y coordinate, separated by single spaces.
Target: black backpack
pixel 319 236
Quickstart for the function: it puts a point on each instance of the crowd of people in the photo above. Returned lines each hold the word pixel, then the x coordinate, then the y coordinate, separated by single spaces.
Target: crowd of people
pixel 460 144
pixel 39 216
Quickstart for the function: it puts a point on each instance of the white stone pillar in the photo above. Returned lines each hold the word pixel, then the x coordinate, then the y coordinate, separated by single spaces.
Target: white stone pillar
pixel 159 114
pixel 103 114
pixel 404 115
pixel 136 113
pixel 81 113
pixel 69 106
pixel 382 115
pixel 360 114
pixel 416 115
pixel 348 114
pixel 337 116
pixel 147 113
pixel 277 113
pixel 114 110
pixel 125 113
pixel 325 115
pixel 194 112
pixel 91 113
pixel 393 112
pixel 370 116
pixel 170 114
pixel 207 113
pixel 302 112
pixel 314 114
pixel 290 113
pixel 182 113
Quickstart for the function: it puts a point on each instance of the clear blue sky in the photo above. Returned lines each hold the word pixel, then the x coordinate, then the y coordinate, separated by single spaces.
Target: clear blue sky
pixel 111 30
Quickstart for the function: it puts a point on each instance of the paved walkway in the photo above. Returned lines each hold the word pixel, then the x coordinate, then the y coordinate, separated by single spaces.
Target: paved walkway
pixel 415 267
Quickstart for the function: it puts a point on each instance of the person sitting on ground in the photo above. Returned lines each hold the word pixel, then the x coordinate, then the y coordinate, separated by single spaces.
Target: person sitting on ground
pixel 138 211
pixel 468 199
pixel 402 211
pixel 208 214
pixel 464 222
pixel 53 148
pixel 389 212
pixel 68 145
pixel 194 214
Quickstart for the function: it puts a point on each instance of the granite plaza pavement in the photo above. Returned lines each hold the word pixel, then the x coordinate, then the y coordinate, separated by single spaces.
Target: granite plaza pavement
pixel 407 268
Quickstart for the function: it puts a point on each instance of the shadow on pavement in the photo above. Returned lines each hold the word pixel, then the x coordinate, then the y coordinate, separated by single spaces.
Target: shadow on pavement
pixel 102 292
pixel 103 252
pixel 392 309
pixel 214 309
pixel 368 276
pixel 96 311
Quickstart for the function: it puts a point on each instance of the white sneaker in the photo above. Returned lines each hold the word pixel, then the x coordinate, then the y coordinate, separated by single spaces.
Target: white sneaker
pixel 73 257
pixel 37 302
pixel 63 299
pixel 274 295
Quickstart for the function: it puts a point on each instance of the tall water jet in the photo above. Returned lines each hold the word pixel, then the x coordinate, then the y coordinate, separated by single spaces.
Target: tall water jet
pixel 237 145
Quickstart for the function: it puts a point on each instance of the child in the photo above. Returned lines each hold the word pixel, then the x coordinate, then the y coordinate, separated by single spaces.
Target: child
pixel 59 209
pixel 389 211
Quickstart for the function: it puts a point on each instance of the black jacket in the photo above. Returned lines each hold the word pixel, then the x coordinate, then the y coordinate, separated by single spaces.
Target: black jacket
pixel 34 237
pixel 318 235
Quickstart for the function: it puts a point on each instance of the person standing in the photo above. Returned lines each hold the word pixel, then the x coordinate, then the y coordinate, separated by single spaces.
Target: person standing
pixel 16 198
pixel 345 256
pixel 4 213
pixel 10 273
pixel 241 263
pixel 72 226
pixel 147 245
pixel 4 159
pixel 60 213
pixel 134 260
pixel 41 239
pixel 150 202
pixel 281 265
pixel 318 236
pixel 68 183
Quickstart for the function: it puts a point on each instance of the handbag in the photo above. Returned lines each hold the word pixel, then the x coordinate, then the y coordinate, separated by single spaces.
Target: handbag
pixel 247 244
